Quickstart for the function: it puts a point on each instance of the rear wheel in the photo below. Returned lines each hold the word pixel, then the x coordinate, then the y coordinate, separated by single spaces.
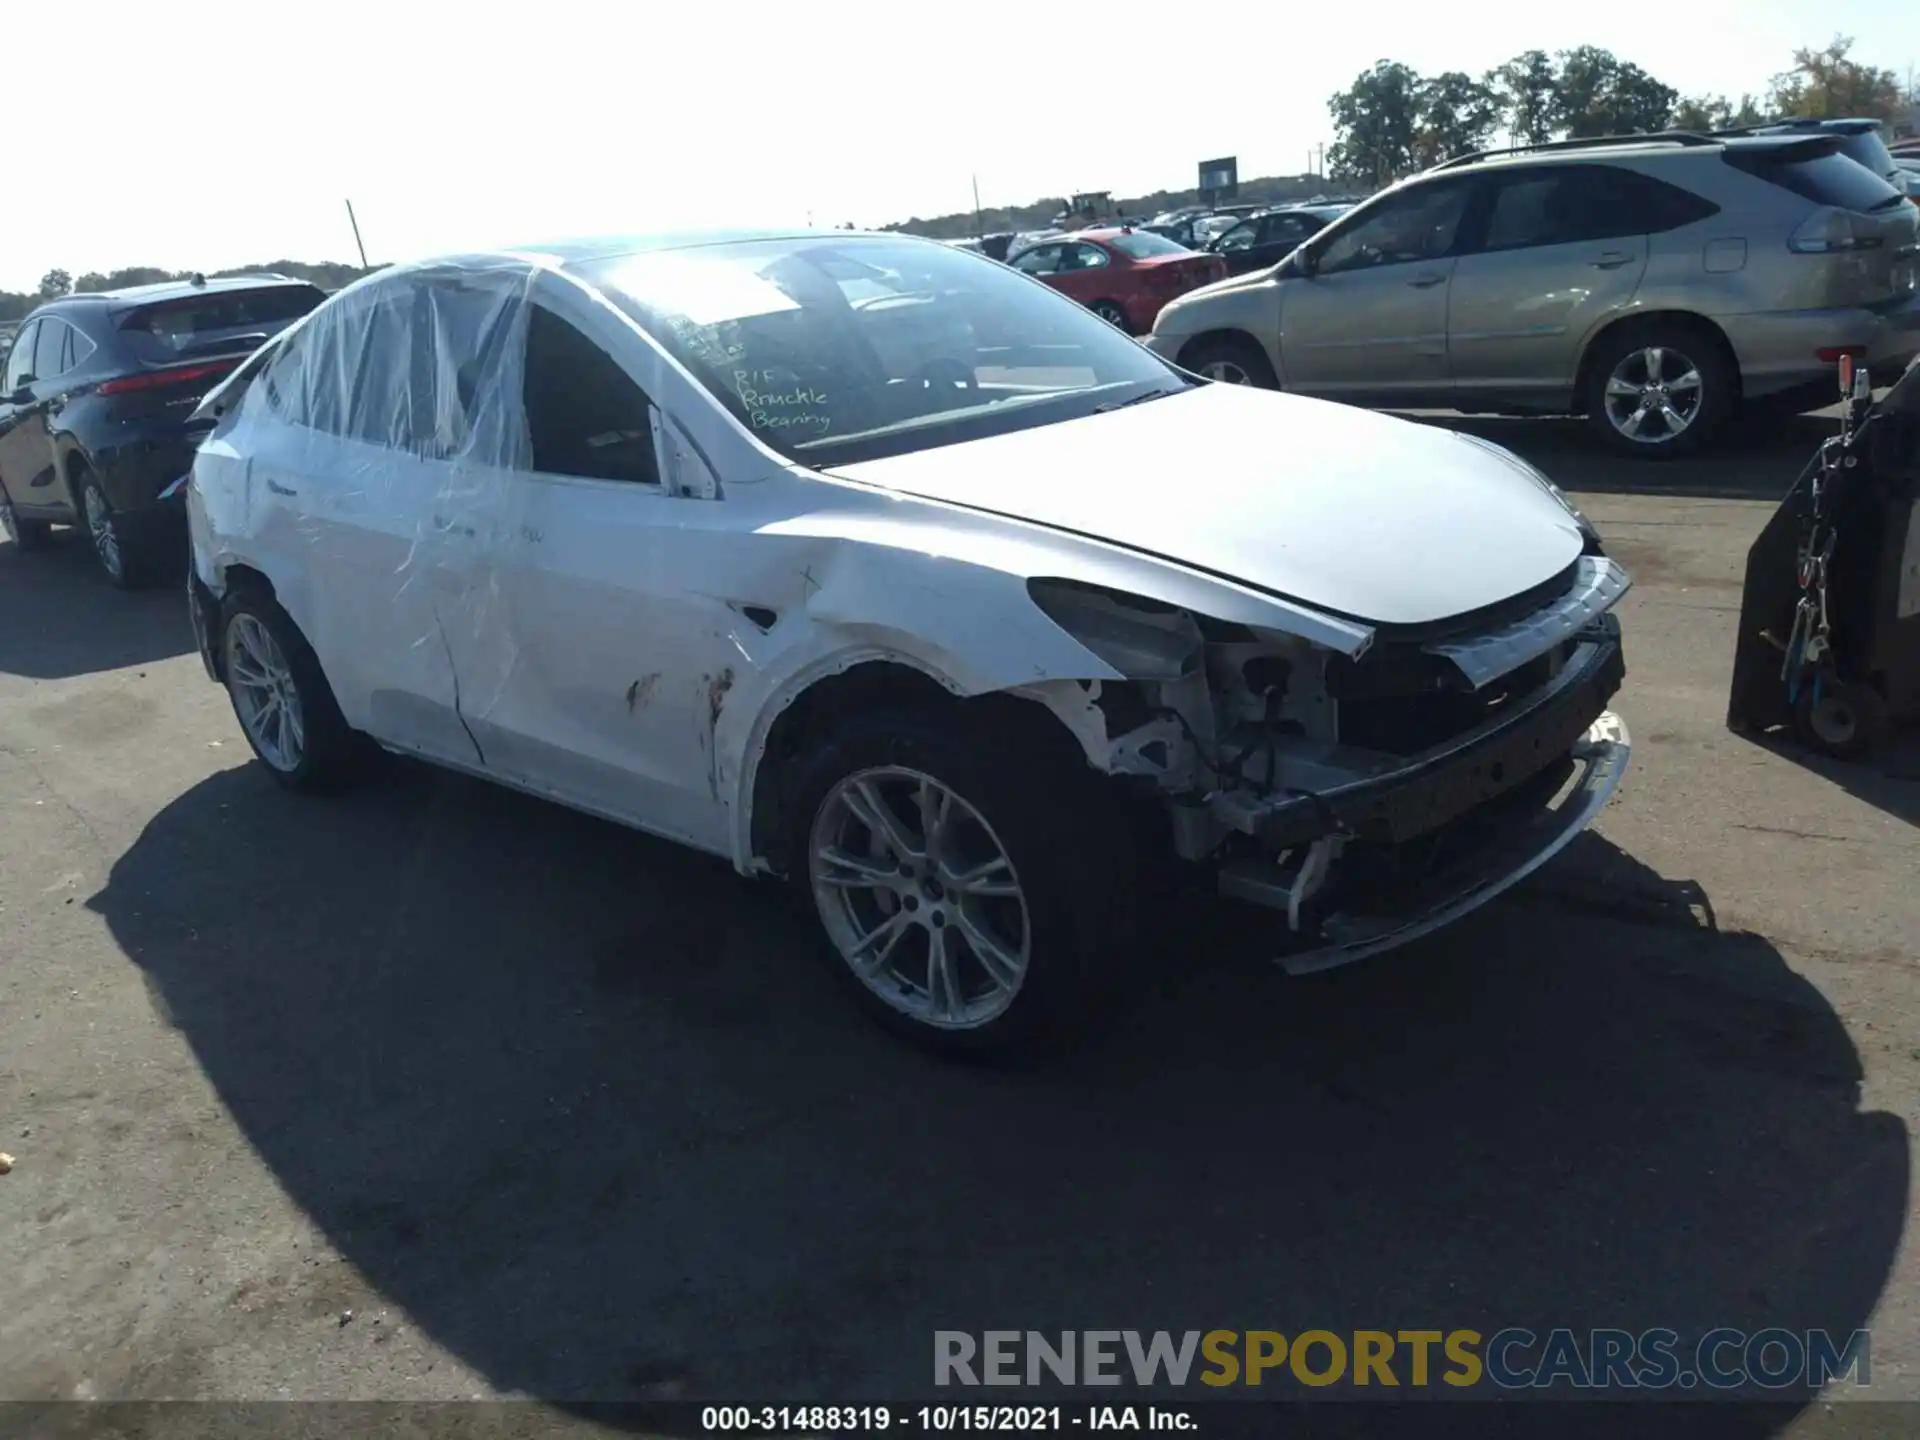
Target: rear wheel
pixel 280 696
pixel 26 534
pixel 128 558
pixel 1659 389
pixel 1111 312
pixel 1231 360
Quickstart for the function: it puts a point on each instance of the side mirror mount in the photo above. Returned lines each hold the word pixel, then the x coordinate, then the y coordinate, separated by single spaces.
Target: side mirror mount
pixel 24 395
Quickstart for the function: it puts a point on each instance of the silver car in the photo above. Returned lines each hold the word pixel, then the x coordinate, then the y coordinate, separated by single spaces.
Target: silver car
pixel 1651 285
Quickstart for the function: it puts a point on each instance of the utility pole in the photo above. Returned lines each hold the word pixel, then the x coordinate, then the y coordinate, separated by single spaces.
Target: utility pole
pixel 357 243
pixel 979 226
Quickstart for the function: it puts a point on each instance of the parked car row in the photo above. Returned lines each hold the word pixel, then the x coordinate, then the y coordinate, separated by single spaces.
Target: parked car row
pixel 1654 284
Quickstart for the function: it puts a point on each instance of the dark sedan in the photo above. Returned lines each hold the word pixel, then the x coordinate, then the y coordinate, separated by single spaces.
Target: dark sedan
pixel 1270 236
pixel 95 401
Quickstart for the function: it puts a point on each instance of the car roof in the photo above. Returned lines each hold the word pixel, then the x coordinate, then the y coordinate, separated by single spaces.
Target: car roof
pixel 1613 147
pixel 178 290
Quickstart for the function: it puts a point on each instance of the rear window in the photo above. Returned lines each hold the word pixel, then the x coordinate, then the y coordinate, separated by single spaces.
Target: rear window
pixel 219 322
pixel 1144 245
pixel 1824 179
pixel 1868 149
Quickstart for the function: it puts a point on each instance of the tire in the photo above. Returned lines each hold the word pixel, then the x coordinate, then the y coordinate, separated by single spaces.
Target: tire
pixel 318 750
pixel 1231 360
pixel 1016 817
pixel 25 534
pixel 1111 312
pixel 1639 373
pixel 129 560
pixel 1846 722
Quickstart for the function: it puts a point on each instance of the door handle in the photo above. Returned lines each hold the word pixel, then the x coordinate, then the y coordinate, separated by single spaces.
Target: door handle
pixel 1611 260
pixel 1424 282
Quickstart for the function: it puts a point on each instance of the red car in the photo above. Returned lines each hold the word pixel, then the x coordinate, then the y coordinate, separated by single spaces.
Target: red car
pixel 1124 276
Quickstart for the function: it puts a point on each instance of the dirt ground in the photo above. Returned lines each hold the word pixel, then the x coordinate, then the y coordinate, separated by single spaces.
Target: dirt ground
pixel 433 1091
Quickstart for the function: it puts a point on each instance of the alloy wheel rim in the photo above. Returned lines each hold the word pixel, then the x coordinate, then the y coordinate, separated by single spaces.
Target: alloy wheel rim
pixel 920 897
pixel 1225 371
pixel 1112 314
pixel 106 543
pixel 1654 395
pixel 264 693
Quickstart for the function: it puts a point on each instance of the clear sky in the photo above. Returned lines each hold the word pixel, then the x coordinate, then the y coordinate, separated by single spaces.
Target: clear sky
pixel 220 133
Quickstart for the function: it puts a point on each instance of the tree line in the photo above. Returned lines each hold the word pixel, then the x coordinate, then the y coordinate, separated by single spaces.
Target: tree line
pixel 14 305
pixel 1392 121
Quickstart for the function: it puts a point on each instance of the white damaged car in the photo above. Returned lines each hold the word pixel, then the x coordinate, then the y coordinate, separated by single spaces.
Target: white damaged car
pixel 874 565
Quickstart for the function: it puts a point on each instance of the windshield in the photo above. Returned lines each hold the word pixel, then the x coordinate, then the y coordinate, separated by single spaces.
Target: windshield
pixel 857 348
pixel 1143 245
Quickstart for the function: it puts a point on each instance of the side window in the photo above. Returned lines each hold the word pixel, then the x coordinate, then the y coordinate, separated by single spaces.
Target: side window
pixel 1240 237
pixel 20 359
pixel 1572 204
pixel 585 416
pixel 1421 224
pixel 1283 230
pixel 47 350
pixel 1651 206
pixel 1529 210
pixel 1084 257
pixel 296 383
pixel 1041 260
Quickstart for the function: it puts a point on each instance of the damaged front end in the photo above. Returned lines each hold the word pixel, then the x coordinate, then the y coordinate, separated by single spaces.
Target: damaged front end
pixel 1370 797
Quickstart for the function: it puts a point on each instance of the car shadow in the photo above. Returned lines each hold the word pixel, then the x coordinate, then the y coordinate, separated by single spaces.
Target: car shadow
pixel 1888 779
pixel 582 1104
pixel 1757 458
pixel 63 619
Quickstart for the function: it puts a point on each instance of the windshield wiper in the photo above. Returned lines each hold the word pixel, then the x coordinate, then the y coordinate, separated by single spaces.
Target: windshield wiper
pixel 1102 408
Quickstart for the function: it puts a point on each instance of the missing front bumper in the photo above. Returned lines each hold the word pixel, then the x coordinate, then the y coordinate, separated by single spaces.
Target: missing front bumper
pixel 1599 760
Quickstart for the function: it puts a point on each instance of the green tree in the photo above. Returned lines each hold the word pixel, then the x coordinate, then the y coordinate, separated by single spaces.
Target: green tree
pixel 1830 83
pixel 1526 85
pixel 1457 114
pixel 1714 112
pixel 1376 119
pixel 55 282
pixel 1599 94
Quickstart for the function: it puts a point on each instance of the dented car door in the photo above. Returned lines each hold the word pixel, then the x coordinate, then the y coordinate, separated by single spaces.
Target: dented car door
pixel 592 656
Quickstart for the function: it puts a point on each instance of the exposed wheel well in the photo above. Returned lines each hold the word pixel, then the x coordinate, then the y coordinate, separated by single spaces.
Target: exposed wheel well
pixel 874 685
pixel 1680 319
pixel 238 574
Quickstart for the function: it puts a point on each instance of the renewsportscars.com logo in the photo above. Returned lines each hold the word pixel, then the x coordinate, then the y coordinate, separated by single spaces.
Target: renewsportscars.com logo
pixel 1510 1359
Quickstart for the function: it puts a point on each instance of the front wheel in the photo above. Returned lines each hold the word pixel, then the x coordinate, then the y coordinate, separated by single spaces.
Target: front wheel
pixel 960 892
pixel 280 696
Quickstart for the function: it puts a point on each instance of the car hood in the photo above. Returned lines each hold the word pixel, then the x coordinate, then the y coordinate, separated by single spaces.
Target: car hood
pixel 1340 509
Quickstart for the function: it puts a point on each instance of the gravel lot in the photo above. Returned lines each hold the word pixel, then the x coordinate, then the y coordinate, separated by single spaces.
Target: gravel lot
pixel 558 1111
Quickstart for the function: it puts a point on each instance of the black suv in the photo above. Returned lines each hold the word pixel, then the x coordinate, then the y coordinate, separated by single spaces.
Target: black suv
pixel 95 402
